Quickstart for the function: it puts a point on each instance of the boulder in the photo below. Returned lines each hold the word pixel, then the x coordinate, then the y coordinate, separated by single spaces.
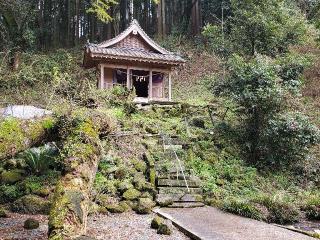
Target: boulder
pixel 164 201
pixel 198 122
pixel 140 166
pixel 31 223
pixel 164 229
pixel 156 222
pixel 144 206
pixel 10 164
pixel 3 213
pixel 12 176
pixel 24 112
pixel 124 186
pixel 146 195
pixel 31 204
pixel 131 194
pixel 118 208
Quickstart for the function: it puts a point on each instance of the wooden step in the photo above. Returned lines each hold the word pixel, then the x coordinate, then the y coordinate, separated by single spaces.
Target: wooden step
pixel 177 190
pixel 186 205
pixel 178 183
pixel 182 197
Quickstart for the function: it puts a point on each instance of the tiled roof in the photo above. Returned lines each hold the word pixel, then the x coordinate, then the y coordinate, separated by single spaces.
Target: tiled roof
pixel 131 45
pixel 133 54
pixel 134 27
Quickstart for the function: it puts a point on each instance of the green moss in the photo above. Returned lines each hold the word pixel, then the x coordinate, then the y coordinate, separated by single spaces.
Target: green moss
pixel 139 165
pixel 58 211
pixel 164 229
pixel 11 136
pixel 156 222
pixel 312 208
pixel 30 224
pixel 118 208
pixel 31 204
pixel 152 176
pixel 144 206
pixel 16 135
pixel 131 194
pixel 9 193
pixel 13 176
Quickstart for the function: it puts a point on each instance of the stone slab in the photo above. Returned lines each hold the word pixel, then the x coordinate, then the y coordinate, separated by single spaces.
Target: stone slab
pixel 209 223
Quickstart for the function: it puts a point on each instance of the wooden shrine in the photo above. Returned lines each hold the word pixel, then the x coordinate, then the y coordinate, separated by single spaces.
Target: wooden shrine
pixel 133 60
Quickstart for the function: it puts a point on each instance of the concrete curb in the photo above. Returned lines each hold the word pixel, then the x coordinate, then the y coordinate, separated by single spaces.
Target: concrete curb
pixel 177 224
pixel 310 234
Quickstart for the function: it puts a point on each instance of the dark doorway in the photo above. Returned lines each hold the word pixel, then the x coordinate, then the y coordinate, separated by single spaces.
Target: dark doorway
pixel 141 83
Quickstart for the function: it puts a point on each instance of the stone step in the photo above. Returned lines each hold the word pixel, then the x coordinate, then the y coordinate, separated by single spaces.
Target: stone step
pixel 172 168
pixel 182 197
pixel 177 183
pixel 174 176
pixel 173 147
pixel 177 190
pixel 186 205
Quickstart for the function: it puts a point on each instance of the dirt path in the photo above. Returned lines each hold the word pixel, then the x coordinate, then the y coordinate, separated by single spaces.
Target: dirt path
pixel 209 223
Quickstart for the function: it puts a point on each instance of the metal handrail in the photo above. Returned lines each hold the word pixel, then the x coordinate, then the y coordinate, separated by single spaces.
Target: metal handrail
pixel 169 140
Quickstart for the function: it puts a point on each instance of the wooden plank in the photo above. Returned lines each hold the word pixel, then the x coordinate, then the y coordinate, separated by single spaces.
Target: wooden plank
pixel 170 88
pixel 132 67
pixel 150 85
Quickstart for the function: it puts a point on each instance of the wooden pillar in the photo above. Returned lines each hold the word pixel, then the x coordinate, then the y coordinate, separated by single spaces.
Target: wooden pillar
pixel 150 85
pixel 170 87
pixel 101 85
pixel 128 78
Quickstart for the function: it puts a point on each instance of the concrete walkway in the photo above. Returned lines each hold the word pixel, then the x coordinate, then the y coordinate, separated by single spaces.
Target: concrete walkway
pixel 209 223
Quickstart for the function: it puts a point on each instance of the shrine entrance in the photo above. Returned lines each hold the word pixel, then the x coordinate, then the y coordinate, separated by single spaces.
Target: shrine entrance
pixel 140 80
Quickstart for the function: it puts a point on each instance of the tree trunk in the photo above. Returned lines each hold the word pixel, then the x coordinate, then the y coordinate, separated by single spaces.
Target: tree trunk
pixel 195 17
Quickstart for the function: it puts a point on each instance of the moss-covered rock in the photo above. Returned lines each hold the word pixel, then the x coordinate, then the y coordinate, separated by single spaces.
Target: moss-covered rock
pixel 3 213
pixel 144 206
pixel 164 201
pixel 198 122
pixel 121 173
pixel 156 222
pixel 140 166
pixel 139 181
pixel 12 176
pixel 151 129
pixel 131 194
pixel 18 135
pixel 118 208
pixel 10 193
pixel 31 223
pixel 31 204
pixel 146 195
pixel 164 229
pixel 124 186
pixel 10 164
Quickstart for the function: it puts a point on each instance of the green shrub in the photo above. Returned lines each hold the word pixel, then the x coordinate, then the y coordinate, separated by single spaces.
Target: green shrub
pixel 242 208
pixel 312 208
pixel 9 193
pixel 40 160
pixel 280 211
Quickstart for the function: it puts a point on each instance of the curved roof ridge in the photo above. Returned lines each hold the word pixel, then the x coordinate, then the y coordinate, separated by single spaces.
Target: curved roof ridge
pixel 134 26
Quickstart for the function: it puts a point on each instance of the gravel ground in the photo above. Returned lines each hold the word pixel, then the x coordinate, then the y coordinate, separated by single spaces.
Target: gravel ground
pixel 126 226
pixel 12 228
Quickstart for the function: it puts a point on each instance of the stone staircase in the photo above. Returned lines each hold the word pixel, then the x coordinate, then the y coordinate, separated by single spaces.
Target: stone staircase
pixel 177 187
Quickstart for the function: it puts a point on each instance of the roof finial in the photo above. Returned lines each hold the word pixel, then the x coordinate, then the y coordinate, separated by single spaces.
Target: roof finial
pixel 131 11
